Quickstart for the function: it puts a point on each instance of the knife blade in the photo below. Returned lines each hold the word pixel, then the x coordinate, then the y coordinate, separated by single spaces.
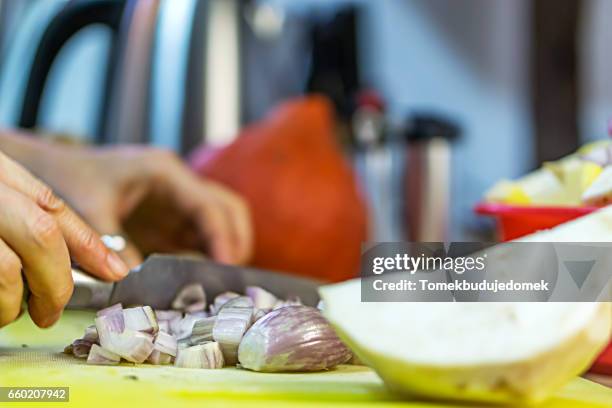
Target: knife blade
pixel 157 281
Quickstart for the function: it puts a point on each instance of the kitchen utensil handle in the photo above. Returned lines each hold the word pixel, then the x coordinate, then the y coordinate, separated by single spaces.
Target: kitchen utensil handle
pixel 89 292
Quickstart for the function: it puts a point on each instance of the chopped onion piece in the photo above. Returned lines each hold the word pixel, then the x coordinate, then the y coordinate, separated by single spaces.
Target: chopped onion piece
pixel 100 356
pixel 114 309
pixel 200 315
pixel 233 320
pixel 140 319
pixel 81 347
pixel 109 320
pixel 190 295
pixel 202 330
pixel 108 325
pixel 91 334
pixel 262 299
pixel 222 299
pixel 159 358
pixel 168 315
pixel 182 329
pixel 207 355
pixel 184 343
pixel 132 345
pixel 165 343
pixel 164 325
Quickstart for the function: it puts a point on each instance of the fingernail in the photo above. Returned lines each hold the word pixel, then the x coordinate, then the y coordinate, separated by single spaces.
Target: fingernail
pixel 118 268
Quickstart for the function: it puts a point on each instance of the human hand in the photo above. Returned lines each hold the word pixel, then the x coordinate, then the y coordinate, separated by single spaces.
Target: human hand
pixel 152 197
pixel 39 234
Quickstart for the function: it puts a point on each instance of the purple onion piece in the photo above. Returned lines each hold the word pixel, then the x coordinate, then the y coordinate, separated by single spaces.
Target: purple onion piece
pixel 200 315
pixel 207 356
pixel 203 331
pixel 159 358
pixel 81 347
pixel 107 325
pixel 91 334
pixel 164 325
pixel 232 322
pixel 292 338
pixel 182 328
pixel 133 346
pixel 140 319
pixel 114 309
pixel 165 343
pixel 262 299
pixel 101 356
pixel 162 315
pixel 220 300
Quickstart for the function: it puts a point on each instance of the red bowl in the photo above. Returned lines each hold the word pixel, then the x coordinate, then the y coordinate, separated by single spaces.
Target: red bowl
pixel 515 221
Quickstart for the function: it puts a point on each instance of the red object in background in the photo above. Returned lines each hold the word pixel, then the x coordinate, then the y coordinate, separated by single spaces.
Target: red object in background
pixel 603 364
pixel 308 214
pixel 515 221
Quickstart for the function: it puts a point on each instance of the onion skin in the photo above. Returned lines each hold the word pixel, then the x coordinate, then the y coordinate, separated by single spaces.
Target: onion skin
pixel 292 338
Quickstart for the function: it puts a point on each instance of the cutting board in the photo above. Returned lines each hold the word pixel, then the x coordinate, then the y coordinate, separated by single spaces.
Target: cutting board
pixel 32 357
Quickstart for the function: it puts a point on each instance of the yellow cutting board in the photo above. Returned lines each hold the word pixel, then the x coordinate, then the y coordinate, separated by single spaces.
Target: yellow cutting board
pixel 32 357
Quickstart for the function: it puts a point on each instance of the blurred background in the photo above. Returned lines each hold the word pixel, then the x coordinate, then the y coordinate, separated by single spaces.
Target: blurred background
pixel 435 100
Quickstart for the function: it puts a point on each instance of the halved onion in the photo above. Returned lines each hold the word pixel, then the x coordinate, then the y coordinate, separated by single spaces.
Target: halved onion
pixel 292 338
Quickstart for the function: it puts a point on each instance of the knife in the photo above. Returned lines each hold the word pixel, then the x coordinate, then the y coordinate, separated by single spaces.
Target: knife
pixel 157 281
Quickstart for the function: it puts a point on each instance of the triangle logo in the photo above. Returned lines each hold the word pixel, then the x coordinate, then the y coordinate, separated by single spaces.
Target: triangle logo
pixel 579 270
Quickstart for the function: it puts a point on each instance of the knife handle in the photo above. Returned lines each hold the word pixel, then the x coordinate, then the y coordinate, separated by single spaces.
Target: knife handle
pixel 89 292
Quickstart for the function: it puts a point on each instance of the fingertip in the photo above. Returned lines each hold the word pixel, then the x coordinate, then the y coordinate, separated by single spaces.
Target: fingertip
pixel 221 252
pixel 41 318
